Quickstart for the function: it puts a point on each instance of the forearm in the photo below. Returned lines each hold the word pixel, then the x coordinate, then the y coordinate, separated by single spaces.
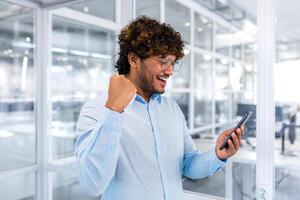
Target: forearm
pixel 200 165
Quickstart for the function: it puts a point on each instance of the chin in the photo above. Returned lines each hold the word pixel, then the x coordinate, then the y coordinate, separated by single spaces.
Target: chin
pixel 160 91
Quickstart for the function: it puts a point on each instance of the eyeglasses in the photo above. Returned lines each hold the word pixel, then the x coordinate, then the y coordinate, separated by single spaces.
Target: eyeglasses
pixel 165 63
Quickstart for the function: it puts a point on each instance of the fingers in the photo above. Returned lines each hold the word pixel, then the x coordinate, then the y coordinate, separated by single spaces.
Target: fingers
pixel 231 147
pixel 242 130
pixel 239 134
pixel 235 140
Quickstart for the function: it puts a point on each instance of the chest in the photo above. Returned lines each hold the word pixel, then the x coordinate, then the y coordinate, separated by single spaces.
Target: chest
pixel 148 130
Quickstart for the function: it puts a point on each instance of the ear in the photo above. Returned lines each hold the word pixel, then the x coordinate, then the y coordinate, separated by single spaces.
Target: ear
pixel 133 60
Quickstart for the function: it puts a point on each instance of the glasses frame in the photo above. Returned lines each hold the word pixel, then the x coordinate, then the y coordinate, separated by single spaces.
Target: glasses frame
pixel 165 63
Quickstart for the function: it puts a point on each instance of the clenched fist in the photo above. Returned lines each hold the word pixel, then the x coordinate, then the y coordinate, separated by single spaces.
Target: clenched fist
pixel 120 93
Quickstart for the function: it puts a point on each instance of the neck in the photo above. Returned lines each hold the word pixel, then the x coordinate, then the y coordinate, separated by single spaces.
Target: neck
pixel 133 78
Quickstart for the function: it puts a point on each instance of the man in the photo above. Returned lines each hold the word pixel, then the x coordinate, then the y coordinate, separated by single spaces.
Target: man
pixel 133 143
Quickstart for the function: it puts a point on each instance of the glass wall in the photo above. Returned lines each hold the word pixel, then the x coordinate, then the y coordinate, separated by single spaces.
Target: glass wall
pixel 17 87
pixel 100 8
pixel 149 8
pixel 21 186
pixel 203 31
pixel 64 185
pixel 83 56
pixel 287 101
pixel 81 66
pixel 179 17
pixel 223 39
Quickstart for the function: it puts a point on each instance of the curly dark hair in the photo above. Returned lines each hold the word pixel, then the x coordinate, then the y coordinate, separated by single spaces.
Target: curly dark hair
pixel 147 37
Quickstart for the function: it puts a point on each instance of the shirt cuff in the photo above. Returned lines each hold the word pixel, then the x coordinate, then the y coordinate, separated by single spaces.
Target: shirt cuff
pixel 220 163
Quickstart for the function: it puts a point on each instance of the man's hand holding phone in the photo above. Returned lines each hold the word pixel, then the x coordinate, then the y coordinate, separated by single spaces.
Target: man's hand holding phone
pixel 229 141
pixel 233 144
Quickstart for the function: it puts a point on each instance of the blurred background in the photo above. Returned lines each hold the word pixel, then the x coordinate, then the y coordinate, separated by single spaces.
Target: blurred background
pixel 55 55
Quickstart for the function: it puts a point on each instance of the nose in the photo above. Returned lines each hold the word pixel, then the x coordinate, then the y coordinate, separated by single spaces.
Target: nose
pixel 169 71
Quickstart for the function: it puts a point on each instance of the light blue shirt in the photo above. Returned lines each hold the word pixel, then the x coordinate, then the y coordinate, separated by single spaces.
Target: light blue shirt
pixel 141 153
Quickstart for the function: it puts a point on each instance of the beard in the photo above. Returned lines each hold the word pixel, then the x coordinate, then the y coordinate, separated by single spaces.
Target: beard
pixel 146 80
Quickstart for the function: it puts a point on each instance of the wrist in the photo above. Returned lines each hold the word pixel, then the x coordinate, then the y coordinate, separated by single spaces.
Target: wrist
pixel 113 107
pixel 220 157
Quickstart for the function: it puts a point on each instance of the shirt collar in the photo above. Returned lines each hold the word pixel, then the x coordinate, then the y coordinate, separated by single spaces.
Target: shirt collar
pixel 154 97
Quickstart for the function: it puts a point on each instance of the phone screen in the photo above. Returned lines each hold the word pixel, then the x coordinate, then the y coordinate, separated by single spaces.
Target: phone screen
pixel 240 123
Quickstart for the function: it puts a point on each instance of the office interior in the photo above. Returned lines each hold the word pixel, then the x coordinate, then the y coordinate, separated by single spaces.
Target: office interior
pixel 55 55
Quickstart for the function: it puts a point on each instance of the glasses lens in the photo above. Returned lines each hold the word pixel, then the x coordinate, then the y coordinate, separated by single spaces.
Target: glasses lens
pixel 178 65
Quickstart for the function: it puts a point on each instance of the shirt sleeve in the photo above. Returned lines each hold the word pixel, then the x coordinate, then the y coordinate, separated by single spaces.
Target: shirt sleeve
pixel 96 147
pixel 198 164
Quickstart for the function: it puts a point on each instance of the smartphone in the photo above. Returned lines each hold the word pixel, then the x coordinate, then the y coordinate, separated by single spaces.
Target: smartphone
pixel 240 123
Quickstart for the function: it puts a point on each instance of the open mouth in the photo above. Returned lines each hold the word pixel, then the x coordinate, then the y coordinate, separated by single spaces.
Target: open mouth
pixel 162 79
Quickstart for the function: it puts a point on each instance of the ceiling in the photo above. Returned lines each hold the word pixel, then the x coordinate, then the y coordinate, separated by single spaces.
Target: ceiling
pixel 43 1
pixel 288 15
pixel 54 2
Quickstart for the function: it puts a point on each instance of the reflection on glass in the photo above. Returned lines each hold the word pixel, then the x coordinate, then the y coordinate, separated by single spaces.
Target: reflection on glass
pixel 244 181
pixel 179 17
pixel 150 8
pixel 100 8
pixel 203 32
pixel 223 39
pixel 181 79
pixel 221 107
pixel 222 74
pixel 182 100
pixel 81 67
pixel 21 186
pixel 202 108
pixel 203 71
pixel 66 186
pixel 17 88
